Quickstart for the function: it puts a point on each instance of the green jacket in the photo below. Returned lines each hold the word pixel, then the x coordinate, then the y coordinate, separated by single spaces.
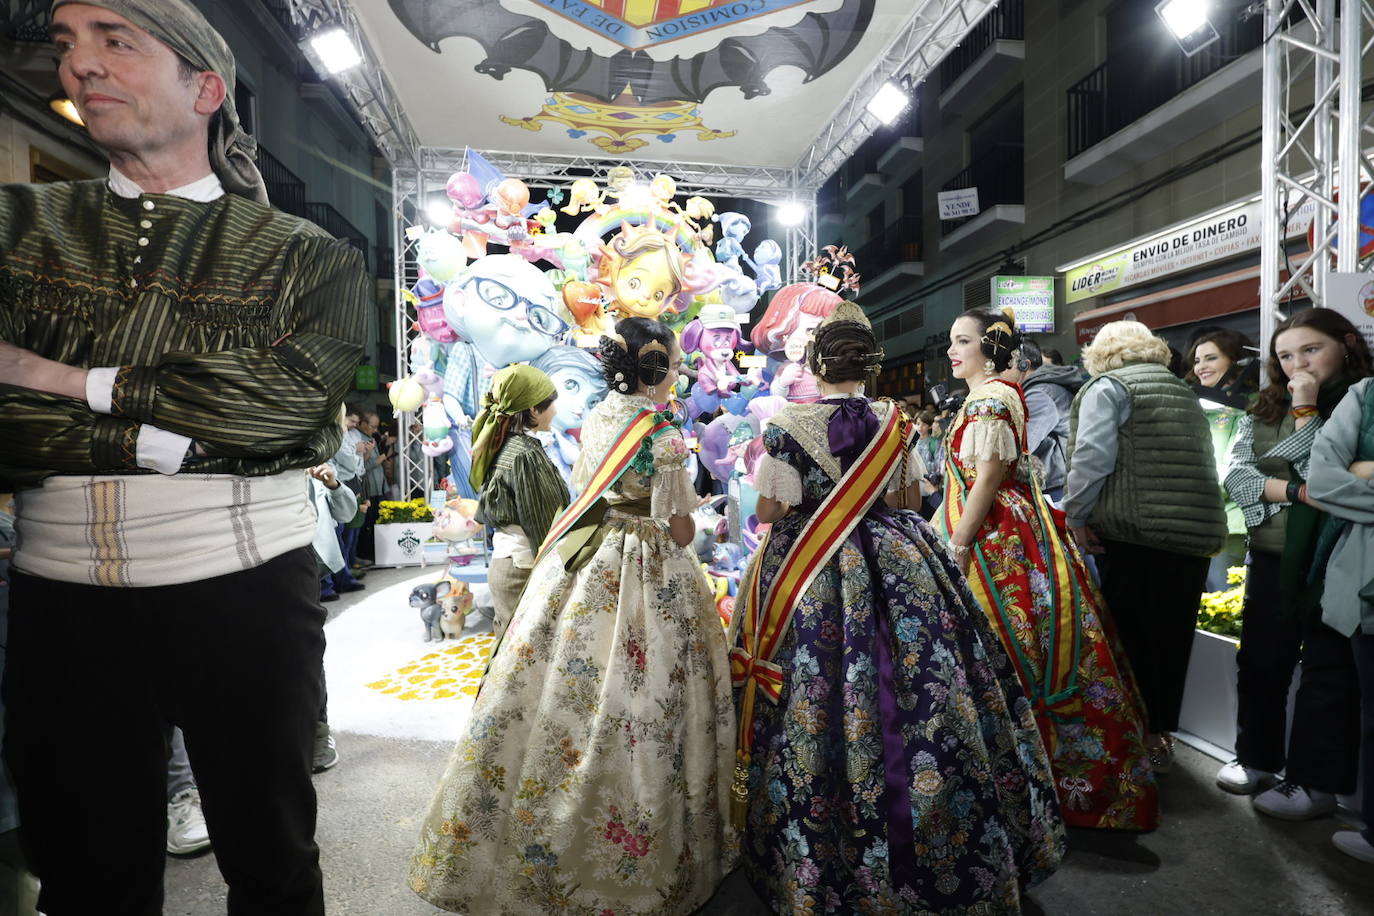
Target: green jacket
pixel 1163 491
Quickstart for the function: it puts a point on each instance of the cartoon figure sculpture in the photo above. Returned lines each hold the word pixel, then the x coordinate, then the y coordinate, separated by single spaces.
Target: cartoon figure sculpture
pixel 643 272
pixel 767 272
pixel 618 179
pixel 715 333
pixel 733 228
pixel 456 521
pixel 429 310
pixel 577 379
pixel 785 330
pixel 583 196
pixel 426 598
pixel 440 255
pixel 505 311
pixel 662 190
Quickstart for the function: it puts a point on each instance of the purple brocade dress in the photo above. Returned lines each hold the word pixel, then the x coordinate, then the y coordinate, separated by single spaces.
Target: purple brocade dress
pixel 901 770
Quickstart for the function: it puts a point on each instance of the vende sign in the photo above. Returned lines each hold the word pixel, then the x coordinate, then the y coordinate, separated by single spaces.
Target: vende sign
pixel 958 204
pixel 1222 235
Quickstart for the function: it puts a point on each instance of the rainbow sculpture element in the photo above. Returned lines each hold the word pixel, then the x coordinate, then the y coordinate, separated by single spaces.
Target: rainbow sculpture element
pixel 619 127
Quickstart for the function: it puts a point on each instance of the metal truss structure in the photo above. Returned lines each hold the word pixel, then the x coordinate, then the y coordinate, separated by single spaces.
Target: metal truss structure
pixel 934 29
pixel 1309 155
pixel 25 20
pixel 419 172
pixel 366 85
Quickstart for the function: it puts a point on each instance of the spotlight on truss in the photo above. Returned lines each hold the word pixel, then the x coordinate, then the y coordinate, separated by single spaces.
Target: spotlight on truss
pixel 1187 22
pixel 335 50
pixel 890 101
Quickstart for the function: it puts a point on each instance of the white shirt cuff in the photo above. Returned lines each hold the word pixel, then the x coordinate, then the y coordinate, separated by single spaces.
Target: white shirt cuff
pixel 100 388
pixel 161 451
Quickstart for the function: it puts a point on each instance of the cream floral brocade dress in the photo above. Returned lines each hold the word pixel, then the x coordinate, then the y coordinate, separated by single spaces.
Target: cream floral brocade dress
pixel 594 776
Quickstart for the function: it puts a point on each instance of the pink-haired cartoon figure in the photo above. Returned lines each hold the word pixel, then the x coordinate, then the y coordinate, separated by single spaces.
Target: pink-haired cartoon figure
pixel 784 332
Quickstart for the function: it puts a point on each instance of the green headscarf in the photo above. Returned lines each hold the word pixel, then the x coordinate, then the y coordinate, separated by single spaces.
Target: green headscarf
pixel 513 389
pixel 181 27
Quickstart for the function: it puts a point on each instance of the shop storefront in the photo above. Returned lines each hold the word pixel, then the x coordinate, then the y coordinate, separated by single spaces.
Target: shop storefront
pixel 1201 271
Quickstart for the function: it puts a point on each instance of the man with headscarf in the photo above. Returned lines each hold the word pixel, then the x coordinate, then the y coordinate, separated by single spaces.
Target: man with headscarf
pixel 173 353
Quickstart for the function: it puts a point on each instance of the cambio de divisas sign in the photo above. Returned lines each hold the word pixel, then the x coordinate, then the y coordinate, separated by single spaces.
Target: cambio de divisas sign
pixel 1031 299
pixel 1214 238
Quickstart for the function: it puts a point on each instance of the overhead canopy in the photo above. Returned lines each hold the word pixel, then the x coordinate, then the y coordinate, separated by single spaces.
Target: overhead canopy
pixel 776 83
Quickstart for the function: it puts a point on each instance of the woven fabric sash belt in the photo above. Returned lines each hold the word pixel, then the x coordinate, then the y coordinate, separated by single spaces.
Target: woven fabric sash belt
pixel 584 538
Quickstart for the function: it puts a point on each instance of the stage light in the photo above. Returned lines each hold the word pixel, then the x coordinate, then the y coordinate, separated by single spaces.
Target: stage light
pixel 889 102
pixel 1187 22
pixel 791 213
pixel 335 50
pixel 440 212
pixel 64 106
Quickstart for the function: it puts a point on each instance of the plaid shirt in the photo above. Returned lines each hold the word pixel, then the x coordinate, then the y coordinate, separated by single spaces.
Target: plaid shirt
pixel 230 323
pixel 1244 480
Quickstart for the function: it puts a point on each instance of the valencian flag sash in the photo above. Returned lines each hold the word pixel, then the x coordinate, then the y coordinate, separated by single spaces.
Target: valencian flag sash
pixel 765 619
pixel 637 434
pixel 1055 688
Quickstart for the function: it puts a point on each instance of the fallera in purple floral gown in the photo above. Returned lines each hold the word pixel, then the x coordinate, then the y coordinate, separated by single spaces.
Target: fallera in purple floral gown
pixel 901 770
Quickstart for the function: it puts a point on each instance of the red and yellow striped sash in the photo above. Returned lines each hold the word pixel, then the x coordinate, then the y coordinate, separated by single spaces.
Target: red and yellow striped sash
pixel 1055 684
pixel 642 427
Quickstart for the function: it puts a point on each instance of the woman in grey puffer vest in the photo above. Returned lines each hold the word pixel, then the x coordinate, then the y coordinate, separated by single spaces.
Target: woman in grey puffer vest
pixel 1142 492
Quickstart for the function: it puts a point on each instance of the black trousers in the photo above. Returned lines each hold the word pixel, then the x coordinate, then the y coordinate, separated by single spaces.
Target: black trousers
pixel 1362 646
pixel 234 661
pixel 1324 745
pixel 1153 596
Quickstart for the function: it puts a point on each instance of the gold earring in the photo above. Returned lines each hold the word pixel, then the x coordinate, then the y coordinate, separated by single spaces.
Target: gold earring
pixel 989 366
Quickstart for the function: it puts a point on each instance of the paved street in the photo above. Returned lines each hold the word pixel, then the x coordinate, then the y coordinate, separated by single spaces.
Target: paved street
pixel 1213 855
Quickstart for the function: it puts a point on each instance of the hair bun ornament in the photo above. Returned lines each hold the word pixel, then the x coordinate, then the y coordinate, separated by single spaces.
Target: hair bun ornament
pixel 847 311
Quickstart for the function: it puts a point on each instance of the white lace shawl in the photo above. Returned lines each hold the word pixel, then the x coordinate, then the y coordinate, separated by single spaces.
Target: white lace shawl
pixel 808 424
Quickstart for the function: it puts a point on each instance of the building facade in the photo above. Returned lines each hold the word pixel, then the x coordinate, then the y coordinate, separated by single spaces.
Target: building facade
pixel 1102 156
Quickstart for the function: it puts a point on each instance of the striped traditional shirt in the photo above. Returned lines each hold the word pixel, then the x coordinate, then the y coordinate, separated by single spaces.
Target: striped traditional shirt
pixel 522 490
pixel 215 321
pixel 1244 480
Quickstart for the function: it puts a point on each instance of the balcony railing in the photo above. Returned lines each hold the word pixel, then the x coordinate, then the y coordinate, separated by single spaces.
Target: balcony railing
pixel 281 11
pixel 1122 90
pixel 334 222
pixel 899 242
pixel 1006 22
pixel 999 176
pixel 284 189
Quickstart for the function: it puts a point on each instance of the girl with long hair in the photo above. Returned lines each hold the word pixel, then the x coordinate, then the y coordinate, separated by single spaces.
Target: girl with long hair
pixel 1314 357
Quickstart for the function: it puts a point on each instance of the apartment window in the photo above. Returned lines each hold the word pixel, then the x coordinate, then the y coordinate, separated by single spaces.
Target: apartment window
pixel 247 104
pixel 912 198
pixel 874 221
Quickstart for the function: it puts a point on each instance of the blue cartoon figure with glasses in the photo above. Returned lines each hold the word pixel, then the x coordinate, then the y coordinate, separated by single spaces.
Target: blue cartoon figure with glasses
pixel 505 310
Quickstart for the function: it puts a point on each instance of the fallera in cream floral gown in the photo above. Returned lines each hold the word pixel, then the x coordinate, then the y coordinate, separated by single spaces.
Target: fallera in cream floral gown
pixel 594 775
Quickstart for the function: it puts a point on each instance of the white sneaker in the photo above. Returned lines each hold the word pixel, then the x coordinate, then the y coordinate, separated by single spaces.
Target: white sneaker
pixel 326 754
pixel 186 830
pixel 1354 845
pixel 1291 802
pixel 1239 779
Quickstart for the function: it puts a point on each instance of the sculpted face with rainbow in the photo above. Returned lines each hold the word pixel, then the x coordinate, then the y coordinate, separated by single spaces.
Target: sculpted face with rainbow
pixel 643 271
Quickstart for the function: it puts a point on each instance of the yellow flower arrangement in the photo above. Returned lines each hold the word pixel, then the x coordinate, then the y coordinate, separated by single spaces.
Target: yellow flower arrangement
pixel 409 512
pixel 1220 611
